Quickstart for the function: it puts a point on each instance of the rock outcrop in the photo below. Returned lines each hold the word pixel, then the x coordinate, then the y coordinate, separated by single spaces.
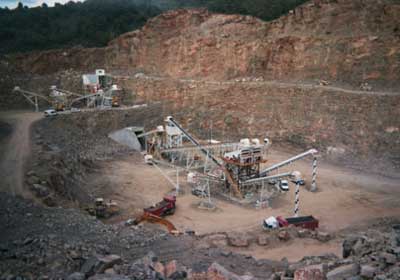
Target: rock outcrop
pixel 341 41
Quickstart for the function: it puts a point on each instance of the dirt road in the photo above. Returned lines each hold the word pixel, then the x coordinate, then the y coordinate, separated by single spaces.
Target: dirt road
pixel 15 149
pixel 275 83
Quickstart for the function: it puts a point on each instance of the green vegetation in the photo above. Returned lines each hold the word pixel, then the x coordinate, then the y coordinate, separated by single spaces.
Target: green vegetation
pixel 264 9
pixel 93 23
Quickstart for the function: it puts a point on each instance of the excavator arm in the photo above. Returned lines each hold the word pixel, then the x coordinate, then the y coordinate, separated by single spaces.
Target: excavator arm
pixel 156 219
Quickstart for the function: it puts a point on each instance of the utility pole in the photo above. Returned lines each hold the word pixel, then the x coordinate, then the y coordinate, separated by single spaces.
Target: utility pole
pixel 314 175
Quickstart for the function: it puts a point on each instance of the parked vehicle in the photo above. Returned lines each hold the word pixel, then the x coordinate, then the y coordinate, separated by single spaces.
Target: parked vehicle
pixel 50 113
pixel 75 110
pixel 273 182
pixel 148 159
pixel 308 222
pixel 284 185
pixel 165 207
pixel 301 182
pixel 305 222
pixel 270 223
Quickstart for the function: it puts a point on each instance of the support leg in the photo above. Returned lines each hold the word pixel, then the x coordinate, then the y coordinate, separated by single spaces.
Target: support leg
pixel 297 200
pixel 177 181
pixel 314 176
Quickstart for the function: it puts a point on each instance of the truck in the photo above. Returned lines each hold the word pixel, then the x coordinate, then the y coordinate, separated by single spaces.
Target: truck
pixel 155 214
pixel 308 222
pixel 163 208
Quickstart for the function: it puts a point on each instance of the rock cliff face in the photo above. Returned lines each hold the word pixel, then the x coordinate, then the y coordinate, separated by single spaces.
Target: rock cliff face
pixel 348 127
pixel 341 41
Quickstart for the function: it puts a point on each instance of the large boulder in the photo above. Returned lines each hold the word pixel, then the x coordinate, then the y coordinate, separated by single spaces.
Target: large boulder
pixel 40 190
pixel 171 268
pixel 368 271
pixel 284 235
pixel 218 272
pixel 323 236
pixel 388 259
pixel 313 272
pixel 109 277
pixel 216 239
pixel 76 276
pixel 304 233
pixel 396 230
pixel 238 240
pixel 98 264
pixel 355 246
pixel 343 272
pixel 263 240
pixel 108 262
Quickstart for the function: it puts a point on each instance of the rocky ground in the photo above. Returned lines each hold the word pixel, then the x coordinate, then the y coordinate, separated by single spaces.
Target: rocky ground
pixel 52 243
pixel 41 242
pixel 69 147
pixel 320 40
pixel 56 243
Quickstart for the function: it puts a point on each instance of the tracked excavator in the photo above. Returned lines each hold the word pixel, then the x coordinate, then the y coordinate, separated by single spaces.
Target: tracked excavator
pixel 155 214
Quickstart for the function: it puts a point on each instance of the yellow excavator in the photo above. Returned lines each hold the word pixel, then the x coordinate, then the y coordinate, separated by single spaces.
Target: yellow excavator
pixel 102 209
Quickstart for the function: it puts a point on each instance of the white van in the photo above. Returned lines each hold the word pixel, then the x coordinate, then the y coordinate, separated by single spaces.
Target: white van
pixel 284 185
pixel 50 113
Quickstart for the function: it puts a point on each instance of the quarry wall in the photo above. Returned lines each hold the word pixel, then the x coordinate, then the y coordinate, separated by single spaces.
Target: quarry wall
pixel 344 126
pixel 345 42
pixel 319 40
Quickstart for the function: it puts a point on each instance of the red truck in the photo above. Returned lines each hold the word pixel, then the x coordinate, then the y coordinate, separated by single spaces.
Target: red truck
pixel 165 207
pixel 308 222
pixel 155 213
